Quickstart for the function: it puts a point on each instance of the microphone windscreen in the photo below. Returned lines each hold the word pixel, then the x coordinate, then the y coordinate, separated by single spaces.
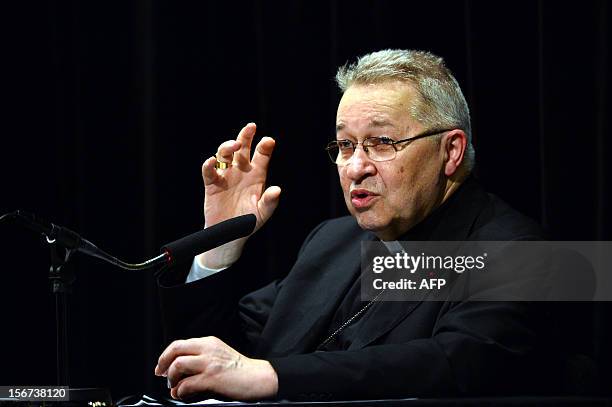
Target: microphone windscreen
pixel 214 236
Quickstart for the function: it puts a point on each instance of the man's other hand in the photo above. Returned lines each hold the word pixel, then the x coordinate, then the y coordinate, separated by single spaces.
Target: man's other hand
pixel 208 364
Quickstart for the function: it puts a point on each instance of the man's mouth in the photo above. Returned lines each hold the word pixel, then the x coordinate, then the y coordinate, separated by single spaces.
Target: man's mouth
pixel 362 198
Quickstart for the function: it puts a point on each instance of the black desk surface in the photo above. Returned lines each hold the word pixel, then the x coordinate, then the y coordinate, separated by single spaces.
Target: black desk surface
pixel 480 402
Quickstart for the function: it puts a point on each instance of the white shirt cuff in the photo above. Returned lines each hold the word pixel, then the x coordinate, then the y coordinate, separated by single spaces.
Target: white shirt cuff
pixel 198 271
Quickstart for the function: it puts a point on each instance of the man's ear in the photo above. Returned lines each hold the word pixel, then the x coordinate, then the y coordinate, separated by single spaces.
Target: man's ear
pixel 454 144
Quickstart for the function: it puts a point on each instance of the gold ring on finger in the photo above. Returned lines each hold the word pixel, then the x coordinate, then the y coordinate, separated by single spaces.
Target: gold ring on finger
pixel 221 165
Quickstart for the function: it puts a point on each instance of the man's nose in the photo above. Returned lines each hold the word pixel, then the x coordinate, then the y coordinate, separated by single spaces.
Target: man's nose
pixel 360 164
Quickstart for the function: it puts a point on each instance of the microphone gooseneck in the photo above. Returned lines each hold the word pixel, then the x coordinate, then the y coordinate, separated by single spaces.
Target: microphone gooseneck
pixel 179 250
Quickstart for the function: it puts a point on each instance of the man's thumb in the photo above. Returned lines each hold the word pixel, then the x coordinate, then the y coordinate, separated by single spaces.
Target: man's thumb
pixel 268 202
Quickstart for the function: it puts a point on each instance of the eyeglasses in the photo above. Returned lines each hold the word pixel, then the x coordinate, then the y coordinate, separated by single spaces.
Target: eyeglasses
pixel 376 148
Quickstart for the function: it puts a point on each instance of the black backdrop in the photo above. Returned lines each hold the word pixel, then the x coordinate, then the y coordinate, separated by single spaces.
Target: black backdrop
pixel 110 108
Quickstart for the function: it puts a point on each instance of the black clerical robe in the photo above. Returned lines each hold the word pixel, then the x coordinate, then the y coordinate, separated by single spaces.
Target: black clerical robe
pixel 394 349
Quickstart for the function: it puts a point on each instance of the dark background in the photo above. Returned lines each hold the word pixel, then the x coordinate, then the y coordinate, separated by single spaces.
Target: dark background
pixel 111 107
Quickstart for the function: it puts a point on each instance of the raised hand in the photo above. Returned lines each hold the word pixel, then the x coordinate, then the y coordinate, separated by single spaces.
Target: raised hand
pixel 237 190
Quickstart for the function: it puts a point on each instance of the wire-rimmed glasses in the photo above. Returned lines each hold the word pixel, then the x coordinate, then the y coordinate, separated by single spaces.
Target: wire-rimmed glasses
pixel 376 148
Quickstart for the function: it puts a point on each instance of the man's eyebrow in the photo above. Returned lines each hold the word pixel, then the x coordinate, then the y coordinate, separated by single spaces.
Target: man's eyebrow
pixel 373 123
pixel 380 123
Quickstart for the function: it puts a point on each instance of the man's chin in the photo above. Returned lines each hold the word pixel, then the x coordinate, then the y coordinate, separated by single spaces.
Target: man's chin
pixel 383 228
pixel 369 223
pixel 370 219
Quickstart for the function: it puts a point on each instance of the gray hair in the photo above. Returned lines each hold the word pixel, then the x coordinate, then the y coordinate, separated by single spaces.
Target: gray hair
pixel 442 103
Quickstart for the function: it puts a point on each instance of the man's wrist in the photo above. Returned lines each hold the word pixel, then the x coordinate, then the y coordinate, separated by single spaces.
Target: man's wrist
pixel 223 256
pixel 268 380
pixel 198 271
pixel 201 260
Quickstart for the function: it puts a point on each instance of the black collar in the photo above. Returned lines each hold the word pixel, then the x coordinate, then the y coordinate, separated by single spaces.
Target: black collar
pixel 455 218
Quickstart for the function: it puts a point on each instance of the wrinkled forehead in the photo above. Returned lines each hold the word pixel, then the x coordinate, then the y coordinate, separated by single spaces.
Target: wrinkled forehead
pixel 388 104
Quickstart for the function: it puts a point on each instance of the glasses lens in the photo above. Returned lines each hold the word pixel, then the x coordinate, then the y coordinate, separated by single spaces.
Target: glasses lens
pixel 381 152
pixel 379 149
pixel 332 150
pixel 340 151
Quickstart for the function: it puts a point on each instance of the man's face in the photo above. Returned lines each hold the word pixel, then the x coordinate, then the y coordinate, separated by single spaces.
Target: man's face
pixel 389 197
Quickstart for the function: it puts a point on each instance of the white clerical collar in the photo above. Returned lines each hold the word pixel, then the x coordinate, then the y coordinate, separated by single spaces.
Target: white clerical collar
pixel 393 246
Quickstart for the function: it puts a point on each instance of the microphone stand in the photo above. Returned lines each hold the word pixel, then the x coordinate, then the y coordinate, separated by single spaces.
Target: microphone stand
pixel 61 279
pixel 60 238
pixel 61 285
pixel 62 245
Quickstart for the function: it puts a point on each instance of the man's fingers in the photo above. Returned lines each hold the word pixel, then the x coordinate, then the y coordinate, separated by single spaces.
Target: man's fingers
pixel 238 152
pixel 209 172
pixel 183 366
pixel 227 149
pixel 188 386
pixel 263 152
pixel 174 350
pixel 245 137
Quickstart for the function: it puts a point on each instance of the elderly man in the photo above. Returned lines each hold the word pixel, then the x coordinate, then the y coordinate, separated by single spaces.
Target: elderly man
pixel 404 158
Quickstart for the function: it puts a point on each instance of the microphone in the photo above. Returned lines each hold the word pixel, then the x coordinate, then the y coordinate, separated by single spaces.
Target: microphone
pixel 214 236
pixel 179 250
